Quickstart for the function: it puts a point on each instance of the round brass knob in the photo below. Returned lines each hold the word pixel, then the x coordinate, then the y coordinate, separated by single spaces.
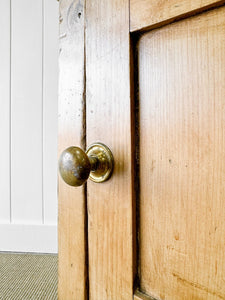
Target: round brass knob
pixel 76 166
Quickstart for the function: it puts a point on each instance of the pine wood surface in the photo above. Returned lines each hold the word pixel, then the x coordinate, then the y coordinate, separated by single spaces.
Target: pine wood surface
pixel 71 223
pixel 140 296
pixel 109 121
pixel 182 164
pixel 147 13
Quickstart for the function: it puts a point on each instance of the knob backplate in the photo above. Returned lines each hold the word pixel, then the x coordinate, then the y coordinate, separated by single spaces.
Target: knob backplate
pixel 105 163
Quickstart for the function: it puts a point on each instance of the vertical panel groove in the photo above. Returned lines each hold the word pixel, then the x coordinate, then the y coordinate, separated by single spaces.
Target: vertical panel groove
pixel 42 121
pixel 84 145
pixel 10 116
pixel 136 137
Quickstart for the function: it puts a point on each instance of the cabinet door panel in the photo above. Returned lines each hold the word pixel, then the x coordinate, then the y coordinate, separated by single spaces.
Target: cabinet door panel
pixel 181 70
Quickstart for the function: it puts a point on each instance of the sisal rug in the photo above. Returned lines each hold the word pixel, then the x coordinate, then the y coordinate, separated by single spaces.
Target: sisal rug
pixel 28 276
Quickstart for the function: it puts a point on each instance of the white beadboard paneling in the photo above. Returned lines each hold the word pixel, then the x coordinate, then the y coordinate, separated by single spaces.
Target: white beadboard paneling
pixel 28 238
pixel 26 111
pixel 5 111
pixel 50 105
pixel 28 125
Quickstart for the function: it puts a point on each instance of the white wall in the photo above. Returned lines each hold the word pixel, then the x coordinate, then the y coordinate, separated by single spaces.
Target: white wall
pixel 28 125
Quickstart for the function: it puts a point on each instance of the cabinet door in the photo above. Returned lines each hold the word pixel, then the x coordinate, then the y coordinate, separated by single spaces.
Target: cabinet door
pixel 147 80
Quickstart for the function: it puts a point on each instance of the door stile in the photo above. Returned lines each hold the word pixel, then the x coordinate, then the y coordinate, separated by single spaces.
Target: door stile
pixel 72 229
pixel 110 204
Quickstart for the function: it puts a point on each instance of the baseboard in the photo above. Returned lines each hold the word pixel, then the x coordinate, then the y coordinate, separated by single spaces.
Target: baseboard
pixel 28 238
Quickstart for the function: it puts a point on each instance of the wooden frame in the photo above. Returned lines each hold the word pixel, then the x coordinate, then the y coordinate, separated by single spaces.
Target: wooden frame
pixel 149 14
pixel 110 204
pixel 72 266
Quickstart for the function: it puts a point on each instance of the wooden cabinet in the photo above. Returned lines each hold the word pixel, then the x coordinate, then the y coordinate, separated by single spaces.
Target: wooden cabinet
pixel 147 79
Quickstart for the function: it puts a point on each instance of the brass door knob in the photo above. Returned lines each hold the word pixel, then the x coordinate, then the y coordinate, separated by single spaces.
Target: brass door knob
pixel 75 166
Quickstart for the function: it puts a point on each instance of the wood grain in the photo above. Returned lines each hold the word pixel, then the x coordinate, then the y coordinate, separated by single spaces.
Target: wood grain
pixel 140 296
pixel 147 13
pixel 72 262
pixel 182 163
pixel 109 121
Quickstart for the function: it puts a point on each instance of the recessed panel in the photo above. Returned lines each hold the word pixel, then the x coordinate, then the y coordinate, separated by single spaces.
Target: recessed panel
pixel 182 159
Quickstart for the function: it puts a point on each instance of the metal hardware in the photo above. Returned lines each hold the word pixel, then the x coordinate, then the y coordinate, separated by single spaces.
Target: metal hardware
pixel 75 166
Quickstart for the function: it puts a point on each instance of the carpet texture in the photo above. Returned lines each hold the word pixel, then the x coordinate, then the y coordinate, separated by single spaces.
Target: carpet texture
pixel 28 276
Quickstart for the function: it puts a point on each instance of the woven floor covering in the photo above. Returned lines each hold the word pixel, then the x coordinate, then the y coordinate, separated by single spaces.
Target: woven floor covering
pixel 28 276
